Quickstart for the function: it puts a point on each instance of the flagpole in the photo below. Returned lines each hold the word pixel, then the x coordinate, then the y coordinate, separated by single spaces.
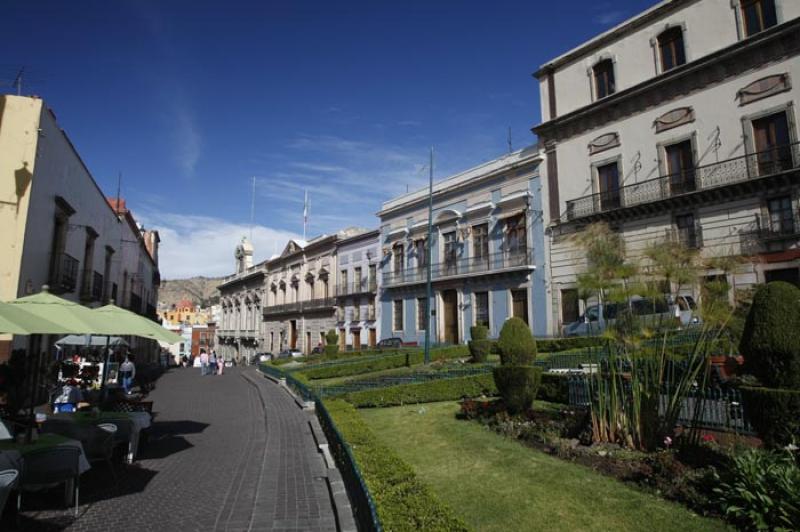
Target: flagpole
pixel 428 262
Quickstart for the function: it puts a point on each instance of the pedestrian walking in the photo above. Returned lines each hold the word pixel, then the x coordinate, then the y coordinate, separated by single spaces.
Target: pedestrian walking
pixel 221 364
pixel 203 362
pixel 212 363
pixel 127 371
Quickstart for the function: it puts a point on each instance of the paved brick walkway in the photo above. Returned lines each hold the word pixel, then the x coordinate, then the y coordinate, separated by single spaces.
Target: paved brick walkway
pixel 227 453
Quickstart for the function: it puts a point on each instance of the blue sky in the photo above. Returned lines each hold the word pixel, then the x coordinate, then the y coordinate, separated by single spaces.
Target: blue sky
pixel 190 99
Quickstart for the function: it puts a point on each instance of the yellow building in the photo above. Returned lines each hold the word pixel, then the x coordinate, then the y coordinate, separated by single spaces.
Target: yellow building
pixel 185 312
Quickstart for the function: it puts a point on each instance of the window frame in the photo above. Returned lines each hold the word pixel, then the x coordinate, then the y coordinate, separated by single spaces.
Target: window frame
pixel 483 244
pixel 742 14
pixel 421 303
pixel 398 315
pixel 475 306
pixel 677 33
pixel 609 78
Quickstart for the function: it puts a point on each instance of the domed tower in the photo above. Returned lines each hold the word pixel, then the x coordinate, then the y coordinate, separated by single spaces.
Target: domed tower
pixel 244 255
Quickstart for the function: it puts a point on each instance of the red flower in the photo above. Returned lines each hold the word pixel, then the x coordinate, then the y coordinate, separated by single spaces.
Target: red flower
pixel 708 438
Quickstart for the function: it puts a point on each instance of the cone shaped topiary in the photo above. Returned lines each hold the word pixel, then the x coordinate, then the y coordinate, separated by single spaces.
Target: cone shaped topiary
pixel 516 343
pixel 771 338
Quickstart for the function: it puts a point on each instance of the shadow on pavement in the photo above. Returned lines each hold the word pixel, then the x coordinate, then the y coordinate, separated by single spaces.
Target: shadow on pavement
pixel 164 446
pixel 172 428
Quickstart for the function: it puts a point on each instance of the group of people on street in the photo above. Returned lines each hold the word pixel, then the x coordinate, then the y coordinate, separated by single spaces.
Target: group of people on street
pixel 210 364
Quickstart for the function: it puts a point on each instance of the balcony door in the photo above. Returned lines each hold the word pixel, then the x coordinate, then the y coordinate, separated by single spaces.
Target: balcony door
pixel 480 247
pixel 772 144
pixel 680 166
pixel 450 252
pixel 450 312
pixel 293 334
pixel 608 183
pixel 516 240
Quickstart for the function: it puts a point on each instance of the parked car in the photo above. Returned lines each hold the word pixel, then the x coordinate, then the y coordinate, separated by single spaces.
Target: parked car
pixel 290 353
pixel 390 343
pixel 652 311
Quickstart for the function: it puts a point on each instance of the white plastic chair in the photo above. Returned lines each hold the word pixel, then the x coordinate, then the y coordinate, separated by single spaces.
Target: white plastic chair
pixel 5 432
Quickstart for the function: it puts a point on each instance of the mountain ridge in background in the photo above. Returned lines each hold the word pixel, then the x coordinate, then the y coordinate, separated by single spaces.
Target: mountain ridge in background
pixel 200 290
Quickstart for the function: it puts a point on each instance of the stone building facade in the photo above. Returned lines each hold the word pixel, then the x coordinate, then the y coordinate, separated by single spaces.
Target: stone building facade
pixel 357 319
pixel 486 253
pixel 679 123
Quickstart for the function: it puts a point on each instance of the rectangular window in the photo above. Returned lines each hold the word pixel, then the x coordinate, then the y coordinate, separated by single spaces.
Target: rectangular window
pixel 357 279
pixel 399 258
pixel 608 183
pixel 670 46
pixel 422 313
pixel 373 279
pixel 480 242
pixel 357 310
pixel 604 78
pixel 687 232
pixel 343 282
pixel 397 315
pixel 516 238
pixel 482 308
pixel 781 217
pixel 680 166
pixel 771 135
pixel 371 309
pixel 570 310
pixel 420 249
pixel 758 15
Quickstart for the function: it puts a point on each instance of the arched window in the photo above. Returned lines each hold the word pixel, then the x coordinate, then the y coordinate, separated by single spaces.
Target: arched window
pixel 604 84
pixel 670 48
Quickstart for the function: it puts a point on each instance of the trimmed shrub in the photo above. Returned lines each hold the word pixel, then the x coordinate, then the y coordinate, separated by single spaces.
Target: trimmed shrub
pixel 403 502
pixel 516 344
pixel 479 349
pixel 390 361
pixel 554 388
pixel 771 338
pixel 479 332
pixel 331 338
pixel 424 392
pixel 517 386
pixel 774 413
pixel 552 345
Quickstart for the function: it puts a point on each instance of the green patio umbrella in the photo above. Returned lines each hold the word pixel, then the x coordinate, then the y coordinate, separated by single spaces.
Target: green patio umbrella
pixel 130 321
pixel 69 317
pixel 14 320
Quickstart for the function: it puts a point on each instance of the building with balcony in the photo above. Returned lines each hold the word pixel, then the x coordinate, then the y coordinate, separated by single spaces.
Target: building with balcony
pixel 679 123
pixel 60 230
pixel 300 300
pixel 357 321
pixel 240 331
pixel 486 253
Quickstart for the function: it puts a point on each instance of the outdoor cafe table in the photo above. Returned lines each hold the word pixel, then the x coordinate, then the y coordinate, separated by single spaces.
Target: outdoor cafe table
pixel 11 450
pixel 129 425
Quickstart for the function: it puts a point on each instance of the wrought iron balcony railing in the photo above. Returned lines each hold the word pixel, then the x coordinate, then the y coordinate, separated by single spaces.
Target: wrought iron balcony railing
pixel 64 277
pixel 772 227
pixel 494 262
pixel 325 303
pixel 774 161
pixel 364 286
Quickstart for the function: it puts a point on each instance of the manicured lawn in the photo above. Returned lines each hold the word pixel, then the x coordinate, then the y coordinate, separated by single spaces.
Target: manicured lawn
pixel 495 483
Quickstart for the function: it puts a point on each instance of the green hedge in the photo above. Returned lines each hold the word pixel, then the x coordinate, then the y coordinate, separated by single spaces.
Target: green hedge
pixel 403 502
pixel 551 345
pixel 774 413
pixel 399 360
pixel 517 385
pixel 479 349
pixel 554 388
pixel 424 392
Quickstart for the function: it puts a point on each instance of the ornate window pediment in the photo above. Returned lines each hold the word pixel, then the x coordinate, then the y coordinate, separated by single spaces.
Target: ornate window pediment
pixel 674 118
pixel 763 88
pixel 604 142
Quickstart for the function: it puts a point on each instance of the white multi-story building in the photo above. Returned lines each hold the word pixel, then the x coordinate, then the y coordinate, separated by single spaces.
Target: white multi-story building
pixel 357 321
pixel 679 123
pixel 240 329
pixel 57 228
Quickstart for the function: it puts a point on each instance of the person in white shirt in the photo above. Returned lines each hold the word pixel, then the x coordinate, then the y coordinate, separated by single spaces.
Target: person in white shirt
pixel 127 371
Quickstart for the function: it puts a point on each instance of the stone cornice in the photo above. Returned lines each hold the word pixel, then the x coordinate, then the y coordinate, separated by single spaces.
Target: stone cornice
pixel 753 53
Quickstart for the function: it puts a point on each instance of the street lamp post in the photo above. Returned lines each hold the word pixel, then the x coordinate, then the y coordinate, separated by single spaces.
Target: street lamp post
pixel 428 262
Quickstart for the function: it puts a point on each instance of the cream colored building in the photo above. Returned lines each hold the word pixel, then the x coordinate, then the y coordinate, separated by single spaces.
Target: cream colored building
pixel 59 229
pixel 300 299
pixel 680 123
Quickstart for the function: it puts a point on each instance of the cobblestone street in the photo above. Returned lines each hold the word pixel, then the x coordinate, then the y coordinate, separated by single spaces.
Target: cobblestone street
pixel 231 452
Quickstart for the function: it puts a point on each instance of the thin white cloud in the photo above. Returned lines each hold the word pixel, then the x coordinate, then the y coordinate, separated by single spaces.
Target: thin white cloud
pixel 609 17
pixel 187 139
pixel 204 245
